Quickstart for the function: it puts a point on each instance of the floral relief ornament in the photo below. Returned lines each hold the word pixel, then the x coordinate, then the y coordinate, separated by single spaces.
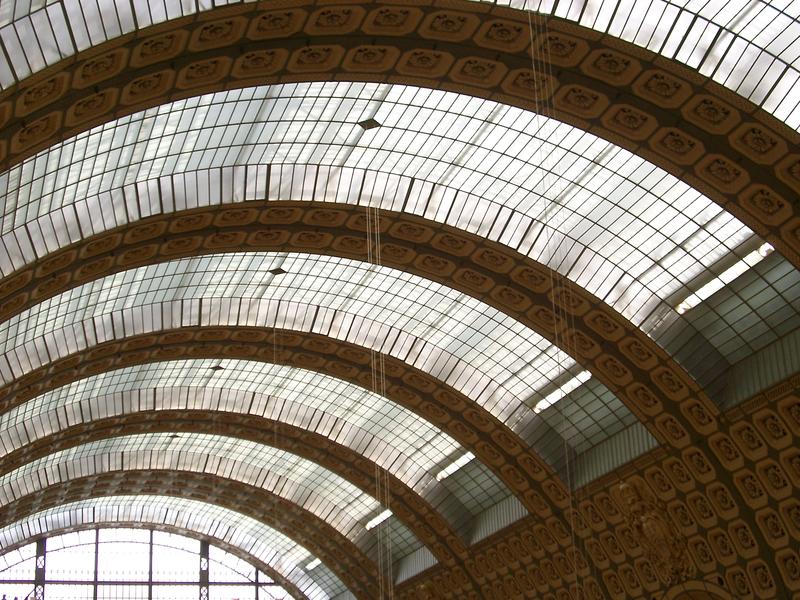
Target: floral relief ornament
pixel 663 544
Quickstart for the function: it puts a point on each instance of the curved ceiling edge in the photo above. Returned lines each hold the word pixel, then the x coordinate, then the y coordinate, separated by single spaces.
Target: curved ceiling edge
pixel 737 154
pixel 416 513
pixel 340 555
pixel 500 449
pixel 281 580
pixel 596 336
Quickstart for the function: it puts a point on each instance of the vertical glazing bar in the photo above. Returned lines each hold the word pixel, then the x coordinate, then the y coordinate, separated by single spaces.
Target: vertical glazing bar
pixel 40 574
pixel 150 569
pixel 96 561
pixel 204 571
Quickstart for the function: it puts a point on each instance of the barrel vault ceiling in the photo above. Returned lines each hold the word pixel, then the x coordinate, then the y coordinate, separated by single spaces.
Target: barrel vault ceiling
pixel 463 299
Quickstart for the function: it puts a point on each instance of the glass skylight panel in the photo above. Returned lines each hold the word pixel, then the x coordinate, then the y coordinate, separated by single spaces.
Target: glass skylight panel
pixel 750 47
pixel 546 189
pixel 312 487
pixel 255 538
pixel 480 351
pixel 406 445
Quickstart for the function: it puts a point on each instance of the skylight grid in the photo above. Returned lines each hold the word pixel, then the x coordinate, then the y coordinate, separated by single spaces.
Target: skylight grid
pixel 283 389
pixel 604 180
pixel 254 537
pixel 454 337
pixel 629 218
pixel 286 475
pixel 465 482
pixel 749 47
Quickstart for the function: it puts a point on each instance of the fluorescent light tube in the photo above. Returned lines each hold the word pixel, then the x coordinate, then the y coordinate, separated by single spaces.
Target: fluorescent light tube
pixel 565 389
pixel 379 519
pixel 454 466
pixel 728 275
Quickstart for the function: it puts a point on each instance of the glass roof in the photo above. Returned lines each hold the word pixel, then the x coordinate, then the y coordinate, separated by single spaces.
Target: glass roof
pixel 501 364
pixel 260 541
pixel 623 229
pixel 303 482
pixel 749 46
pixel 406 445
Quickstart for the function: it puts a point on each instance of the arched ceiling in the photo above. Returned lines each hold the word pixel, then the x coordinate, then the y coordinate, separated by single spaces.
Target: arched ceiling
pixel 253 539
pixel 628 232
pixel 750 47
pixel 507 368
pixel 313 488
pixel 375 427
pixel 633 186
pixel 67 537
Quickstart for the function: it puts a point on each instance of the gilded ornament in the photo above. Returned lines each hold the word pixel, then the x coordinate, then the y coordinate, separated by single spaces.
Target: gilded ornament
pixel 215 31
pixel 711 111
pixel 677 143
pixel 272 22
pixel 611 63
pixel 90 105
pixel 331 18
pixel 447 23
pixel 369 55
pixel 758 140
pixel 315 55
pixel 663 85
pixel 663 544
pixel 766 202
pixel 391 17
pixel 478 69
pixel 630 118
pixel 581 98
pixel 504 32
pixel 723 170
pixel 558 46
pixel 424 59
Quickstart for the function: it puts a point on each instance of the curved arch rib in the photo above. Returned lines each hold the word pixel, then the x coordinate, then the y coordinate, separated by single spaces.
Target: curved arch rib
pixel 617 353
pixel 684 401
pixel 491 441
pixel 620 94
pixel 170 515
pixel 339 554
pixel 414 512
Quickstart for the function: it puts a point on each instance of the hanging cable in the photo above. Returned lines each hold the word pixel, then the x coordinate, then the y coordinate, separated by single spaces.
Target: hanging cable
pixel 562 288
pixel 382 478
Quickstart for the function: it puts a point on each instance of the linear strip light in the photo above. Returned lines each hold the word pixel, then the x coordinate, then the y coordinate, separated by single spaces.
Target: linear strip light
pixel 454 466
pixel 728 275
pixel 379 519
pixel 313 564
pixel 565 389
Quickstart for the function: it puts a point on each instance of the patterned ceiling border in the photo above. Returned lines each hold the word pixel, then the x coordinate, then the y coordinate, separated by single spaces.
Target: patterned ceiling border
pixel 287 585
pixel 415 512
pixel 713 139
pixel 339 554
pixel 717 532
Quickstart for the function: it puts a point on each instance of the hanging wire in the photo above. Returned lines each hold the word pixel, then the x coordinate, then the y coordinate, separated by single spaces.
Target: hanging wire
pixel 382 478
pixel 562 288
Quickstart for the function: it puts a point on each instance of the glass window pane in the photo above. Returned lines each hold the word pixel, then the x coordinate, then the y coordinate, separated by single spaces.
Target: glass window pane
pixel 124 561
